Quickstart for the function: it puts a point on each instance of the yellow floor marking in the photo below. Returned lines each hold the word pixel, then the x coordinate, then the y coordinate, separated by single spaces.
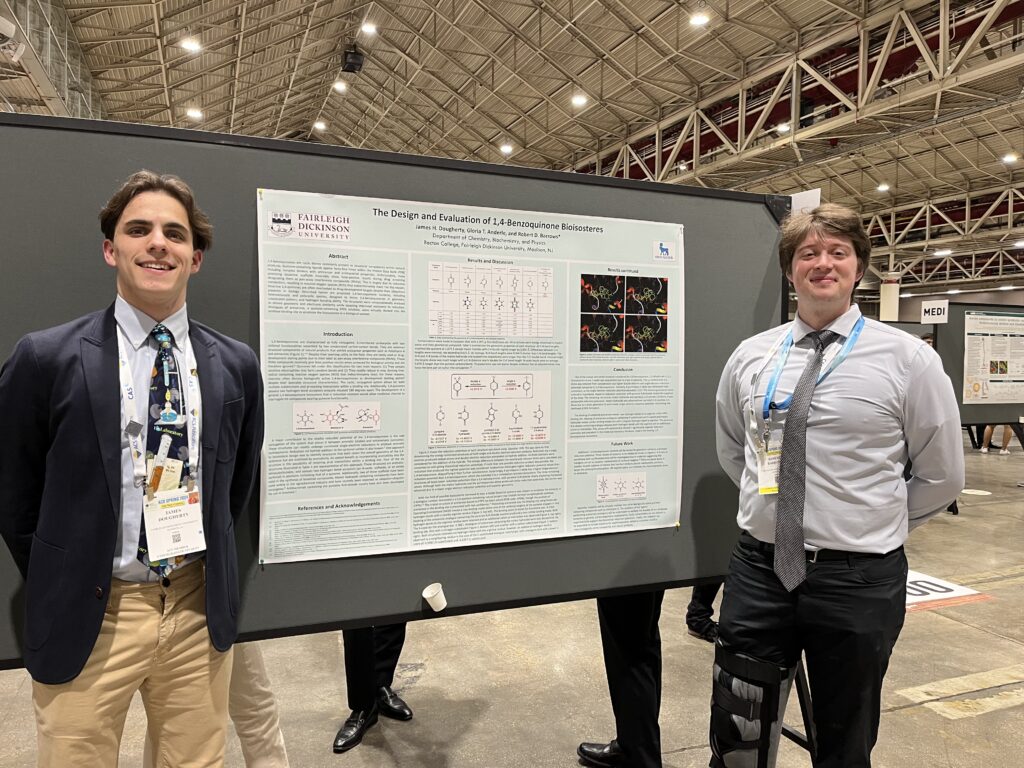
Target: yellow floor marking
pixel 960 708
pixel 956 686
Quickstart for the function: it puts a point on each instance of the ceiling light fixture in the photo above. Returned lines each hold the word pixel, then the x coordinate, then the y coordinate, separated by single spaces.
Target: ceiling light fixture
pixel 506 149
pixel 953 290
pixel 906 295
pixel 1011 157
pixel 700 17
pixel 1019 244
pixel 682 166
pixel 782 128
pixel 195 114
pixel 320 125
pixel 191 45
pixel 579 99
pixel 1007 287
pixel 340 86
pixel 368 28
pixel 883 187
pixel 943 252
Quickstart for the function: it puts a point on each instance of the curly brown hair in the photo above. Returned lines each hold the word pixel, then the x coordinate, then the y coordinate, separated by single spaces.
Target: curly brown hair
pixel 148 181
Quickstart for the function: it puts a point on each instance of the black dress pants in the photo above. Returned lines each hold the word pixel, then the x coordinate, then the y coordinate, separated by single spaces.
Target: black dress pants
pixel 371 656
pixel 845 618
pixel 632 661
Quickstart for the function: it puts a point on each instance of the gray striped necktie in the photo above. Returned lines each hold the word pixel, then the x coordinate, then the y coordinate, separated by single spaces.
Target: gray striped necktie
pixel 790 560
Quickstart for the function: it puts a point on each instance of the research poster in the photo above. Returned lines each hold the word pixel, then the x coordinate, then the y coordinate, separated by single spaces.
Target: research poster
pixel 442 376
pixel 993 357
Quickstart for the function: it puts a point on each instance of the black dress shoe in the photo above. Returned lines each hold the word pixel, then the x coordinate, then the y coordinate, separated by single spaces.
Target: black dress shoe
pixel 601 755
pixel 354 729
pixel 391 705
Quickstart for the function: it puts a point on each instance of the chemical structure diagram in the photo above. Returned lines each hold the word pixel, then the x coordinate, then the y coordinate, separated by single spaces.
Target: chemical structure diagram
pixel 368 415
pixel 611 486
pixel 483 386
pixel 335 416
pixel 467 408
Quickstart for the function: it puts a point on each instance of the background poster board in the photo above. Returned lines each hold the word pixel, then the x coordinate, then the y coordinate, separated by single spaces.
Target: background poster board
pixel 58 173
pixel 950 344
pixel 993 357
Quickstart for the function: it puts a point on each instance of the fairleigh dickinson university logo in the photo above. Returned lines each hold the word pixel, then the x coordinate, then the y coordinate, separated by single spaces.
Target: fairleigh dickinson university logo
pixel 311 226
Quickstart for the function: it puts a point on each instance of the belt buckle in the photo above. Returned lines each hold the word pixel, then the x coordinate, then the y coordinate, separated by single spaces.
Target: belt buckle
pixel 814 556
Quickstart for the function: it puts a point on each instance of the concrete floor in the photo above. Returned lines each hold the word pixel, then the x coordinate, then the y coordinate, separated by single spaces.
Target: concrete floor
pixel 523 687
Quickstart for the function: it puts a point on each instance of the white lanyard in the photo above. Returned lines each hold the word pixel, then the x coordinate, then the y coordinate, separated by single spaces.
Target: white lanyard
pixel 134 429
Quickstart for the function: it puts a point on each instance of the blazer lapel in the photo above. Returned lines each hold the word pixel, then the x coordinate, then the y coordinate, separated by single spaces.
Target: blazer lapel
pixel 99 365
pixel 211 386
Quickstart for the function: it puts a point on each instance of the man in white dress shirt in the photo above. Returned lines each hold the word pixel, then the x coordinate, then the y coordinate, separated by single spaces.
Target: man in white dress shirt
pixel 871 399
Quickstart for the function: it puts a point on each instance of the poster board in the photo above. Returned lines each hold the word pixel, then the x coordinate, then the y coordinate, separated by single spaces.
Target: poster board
pixel 58 173
pixel 952 346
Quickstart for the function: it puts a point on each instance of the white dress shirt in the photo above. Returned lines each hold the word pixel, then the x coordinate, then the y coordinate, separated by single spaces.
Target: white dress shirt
pixel 888 401
pixel 134 327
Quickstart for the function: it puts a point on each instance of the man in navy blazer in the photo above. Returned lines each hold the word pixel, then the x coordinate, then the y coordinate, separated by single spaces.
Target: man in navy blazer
pixel 103 620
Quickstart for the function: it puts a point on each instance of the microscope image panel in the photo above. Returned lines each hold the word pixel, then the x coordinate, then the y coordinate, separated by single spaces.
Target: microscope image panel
pixel 647 296
pixel 645 333
pixel 601 333
pixel 602 293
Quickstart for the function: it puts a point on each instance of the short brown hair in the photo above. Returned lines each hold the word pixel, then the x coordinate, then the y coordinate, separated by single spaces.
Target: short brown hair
pixel 829 218
pixel 147 181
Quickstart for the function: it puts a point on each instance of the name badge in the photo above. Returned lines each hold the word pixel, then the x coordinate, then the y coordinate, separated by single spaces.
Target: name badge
pixel 768 458
pixel 174 524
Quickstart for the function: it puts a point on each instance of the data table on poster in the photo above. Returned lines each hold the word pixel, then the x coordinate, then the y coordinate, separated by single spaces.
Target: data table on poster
pixel 474 300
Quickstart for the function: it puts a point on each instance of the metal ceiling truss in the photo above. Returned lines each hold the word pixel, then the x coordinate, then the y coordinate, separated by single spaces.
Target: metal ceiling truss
pixel 979 230
pixel 869 76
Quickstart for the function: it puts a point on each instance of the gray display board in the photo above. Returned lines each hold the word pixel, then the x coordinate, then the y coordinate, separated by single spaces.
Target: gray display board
pixel 57 174
pixel 949 343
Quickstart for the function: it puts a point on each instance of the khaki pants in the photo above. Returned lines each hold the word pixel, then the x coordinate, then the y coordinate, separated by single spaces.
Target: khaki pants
pixel 253 711
pixel 153 640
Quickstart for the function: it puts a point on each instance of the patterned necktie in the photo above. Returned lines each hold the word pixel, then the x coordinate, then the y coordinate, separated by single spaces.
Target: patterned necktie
pixel 790 560
pixel 165 407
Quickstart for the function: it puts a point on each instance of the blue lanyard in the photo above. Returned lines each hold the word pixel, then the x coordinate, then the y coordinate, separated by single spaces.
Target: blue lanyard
pixel 787 345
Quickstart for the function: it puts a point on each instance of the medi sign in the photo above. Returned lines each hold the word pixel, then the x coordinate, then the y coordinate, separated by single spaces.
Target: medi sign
pixel 935 311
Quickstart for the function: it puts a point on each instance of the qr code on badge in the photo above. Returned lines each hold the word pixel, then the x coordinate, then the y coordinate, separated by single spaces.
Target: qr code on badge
pixel 175 538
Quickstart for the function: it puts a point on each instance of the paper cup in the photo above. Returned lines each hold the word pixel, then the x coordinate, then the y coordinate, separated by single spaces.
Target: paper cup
pixel 434 595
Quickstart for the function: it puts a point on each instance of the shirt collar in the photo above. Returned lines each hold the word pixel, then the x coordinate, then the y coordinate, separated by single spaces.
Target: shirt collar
pixel 136 325
pixel 843 325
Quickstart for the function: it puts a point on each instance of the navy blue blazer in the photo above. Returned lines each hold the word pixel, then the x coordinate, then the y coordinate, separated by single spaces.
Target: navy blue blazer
pixel 60 479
